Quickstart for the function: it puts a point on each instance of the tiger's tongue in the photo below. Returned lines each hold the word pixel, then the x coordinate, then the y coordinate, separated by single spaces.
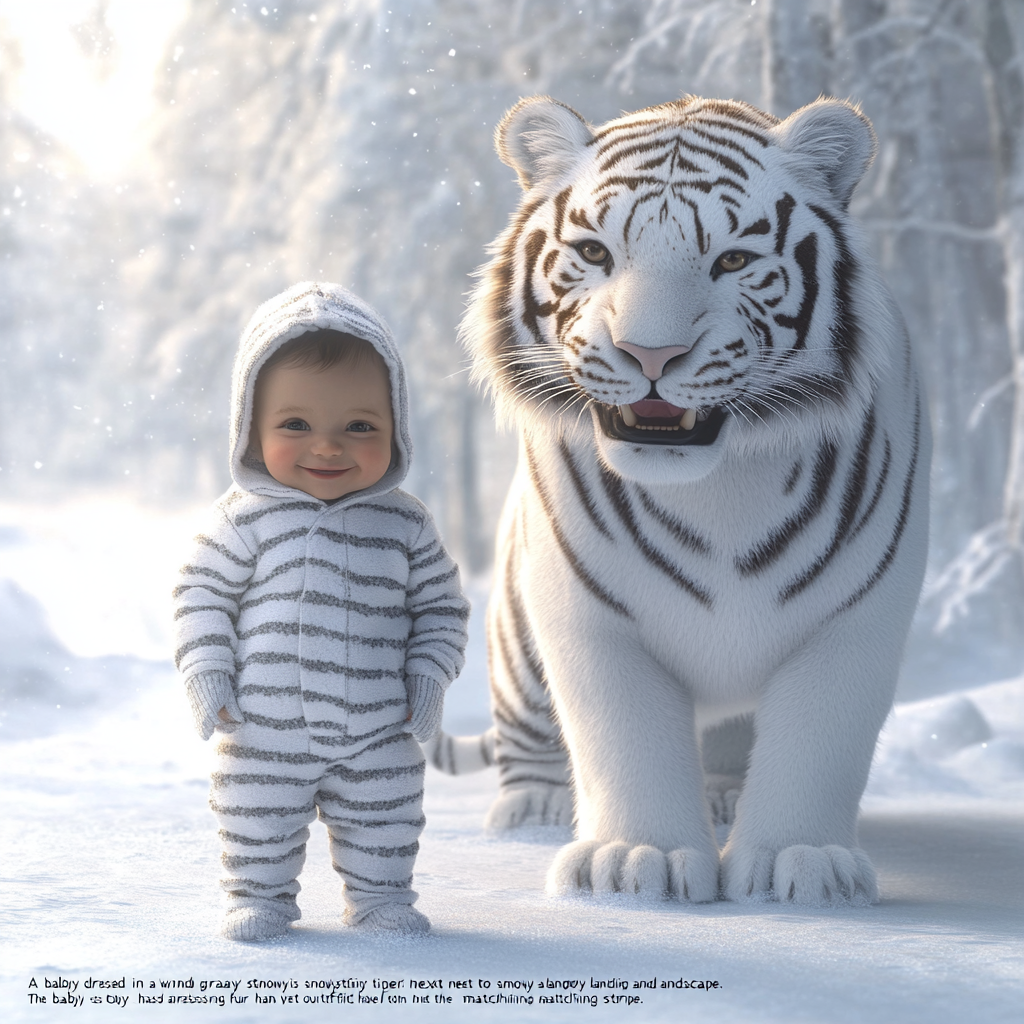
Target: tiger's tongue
pixel 656 409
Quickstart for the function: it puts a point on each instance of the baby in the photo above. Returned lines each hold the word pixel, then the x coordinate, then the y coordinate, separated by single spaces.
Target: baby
pixel 319 619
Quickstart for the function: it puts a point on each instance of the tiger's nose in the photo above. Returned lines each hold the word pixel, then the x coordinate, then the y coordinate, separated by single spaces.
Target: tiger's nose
pixel 652 360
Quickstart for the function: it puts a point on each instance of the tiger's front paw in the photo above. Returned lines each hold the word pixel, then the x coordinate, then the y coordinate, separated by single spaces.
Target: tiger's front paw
pixel 810 876
pixel 588 864
pixel 531 805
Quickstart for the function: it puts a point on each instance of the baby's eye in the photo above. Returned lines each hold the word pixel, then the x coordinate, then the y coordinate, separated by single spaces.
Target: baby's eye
pixel 295 425
pixel 360 427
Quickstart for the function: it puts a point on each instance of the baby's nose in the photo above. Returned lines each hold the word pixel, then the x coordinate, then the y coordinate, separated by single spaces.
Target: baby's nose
pixel 327 444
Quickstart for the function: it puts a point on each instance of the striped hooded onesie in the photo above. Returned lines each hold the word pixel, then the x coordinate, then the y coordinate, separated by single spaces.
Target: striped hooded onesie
pixel 325 621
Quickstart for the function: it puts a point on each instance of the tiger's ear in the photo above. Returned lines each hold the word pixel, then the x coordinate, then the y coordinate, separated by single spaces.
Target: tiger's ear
pixel 836 140
pixel 540 138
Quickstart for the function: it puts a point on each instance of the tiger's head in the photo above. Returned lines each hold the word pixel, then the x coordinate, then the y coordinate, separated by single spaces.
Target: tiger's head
pixel 685 281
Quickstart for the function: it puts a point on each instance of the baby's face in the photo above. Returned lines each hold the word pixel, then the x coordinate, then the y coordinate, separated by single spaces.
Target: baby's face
pixel 325 432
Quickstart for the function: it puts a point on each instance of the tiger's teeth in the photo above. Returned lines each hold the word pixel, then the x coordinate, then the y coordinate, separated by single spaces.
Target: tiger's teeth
pixel 686 422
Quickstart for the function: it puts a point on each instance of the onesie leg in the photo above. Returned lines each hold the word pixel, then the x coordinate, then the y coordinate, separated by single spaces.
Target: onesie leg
pixel 372 804
pixel 263 802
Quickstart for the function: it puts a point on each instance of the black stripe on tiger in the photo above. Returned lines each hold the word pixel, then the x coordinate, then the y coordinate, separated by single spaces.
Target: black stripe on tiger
pixel 856 481
pixel 697 222
pixel 561 201
pixel 579 218
pixel 521 635
pixel 658 143
pixel 500 311
pixel 512 674
pixel 764 332
pixel 883 475
pixel 706 185
pixel 759 227
pixel 901 520
pixel 727 162
pixel 721 140
pixel 680 531
pixel 504 712
pixel 514 605
pixel 783 210
pixel 770 278
pixel 443 756
pixel 845 328
pixel 731 126
pixel 582 491
pixel 736 111
pixel 486 752
pixel 640 200
pixel 620 502
pixel 776 543
pixel 571 557
pixel 806 256
pixel 532 309
pixel 508 779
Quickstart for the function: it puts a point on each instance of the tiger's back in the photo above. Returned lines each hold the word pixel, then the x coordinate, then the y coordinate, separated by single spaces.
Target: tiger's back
pixel 721 501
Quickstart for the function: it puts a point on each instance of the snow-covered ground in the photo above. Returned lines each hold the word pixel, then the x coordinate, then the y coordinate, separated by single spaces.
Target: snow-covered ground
pixel 110 855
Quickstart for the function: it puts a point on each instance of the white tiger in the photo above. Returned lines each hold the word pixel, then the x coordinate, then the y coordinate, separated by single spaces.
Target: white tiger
pixel 720 508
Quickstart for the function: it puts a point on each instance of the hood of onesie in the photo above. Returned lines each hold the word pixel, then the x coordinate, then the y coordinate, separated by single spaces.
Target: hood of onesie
pixel 311 306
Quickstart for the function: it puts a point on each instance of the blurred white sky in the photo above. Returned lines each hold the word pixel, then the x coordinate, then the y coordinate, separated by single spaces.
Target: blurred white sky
pixel 95 106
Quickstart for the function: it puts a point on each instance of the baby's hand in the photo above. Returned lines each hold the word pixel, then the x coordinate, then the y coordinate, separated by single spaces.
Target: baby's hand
pixel 426 703
pixel 207 692
pixel 230 716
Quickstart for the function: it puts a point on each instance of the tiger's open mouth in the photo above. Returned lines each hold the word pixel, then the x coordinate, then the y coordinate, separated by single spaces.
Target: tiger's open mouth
pixel 653 421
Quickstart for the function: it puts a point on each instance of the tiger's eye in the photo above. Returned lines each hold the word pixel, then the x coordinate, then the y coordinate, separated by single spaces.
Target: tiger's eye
pixel 730 261
pixel 592 252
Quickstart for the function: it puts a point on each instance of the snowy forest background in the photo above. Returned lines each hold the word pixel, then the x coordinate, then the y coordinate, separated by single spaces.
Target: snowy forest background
pixel 351 141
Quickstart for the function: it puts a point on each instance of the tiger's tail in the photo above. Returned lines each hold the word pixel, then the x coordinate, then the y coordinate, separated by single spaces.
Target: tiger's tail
pixel 459 755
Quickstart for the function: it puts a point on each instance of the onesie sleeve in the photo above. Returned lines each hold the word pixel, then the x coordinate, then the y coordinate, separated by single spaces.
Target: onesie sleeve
pixel 206 600
pixel 438 608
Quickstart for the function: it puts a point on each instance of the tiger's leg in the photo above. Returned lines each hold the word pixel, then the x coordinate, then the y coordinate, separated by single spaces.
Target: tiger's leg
pixel 642 819
pixel 795 836
pixel 533 764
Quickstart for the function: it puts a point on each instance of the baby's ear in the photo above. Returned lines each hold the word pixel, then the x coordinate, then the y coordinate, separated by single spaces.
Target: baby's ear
pixel 540 138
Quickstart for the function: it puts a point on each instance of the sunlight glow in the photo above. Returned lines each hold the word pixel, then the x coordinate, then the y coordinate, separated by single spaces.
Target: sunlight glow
pixel 92 96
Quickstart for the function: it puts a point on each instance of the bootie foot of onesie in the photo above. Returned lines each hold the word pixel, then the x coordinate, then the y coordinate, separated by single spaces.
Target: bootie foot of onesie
pixel 253 924
pixel 395 919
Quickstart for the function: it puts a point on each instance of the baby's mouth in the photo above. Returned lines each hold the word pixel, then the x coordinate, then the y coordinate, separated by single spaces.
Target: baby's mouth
pixel 325 474
pixel 654 421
